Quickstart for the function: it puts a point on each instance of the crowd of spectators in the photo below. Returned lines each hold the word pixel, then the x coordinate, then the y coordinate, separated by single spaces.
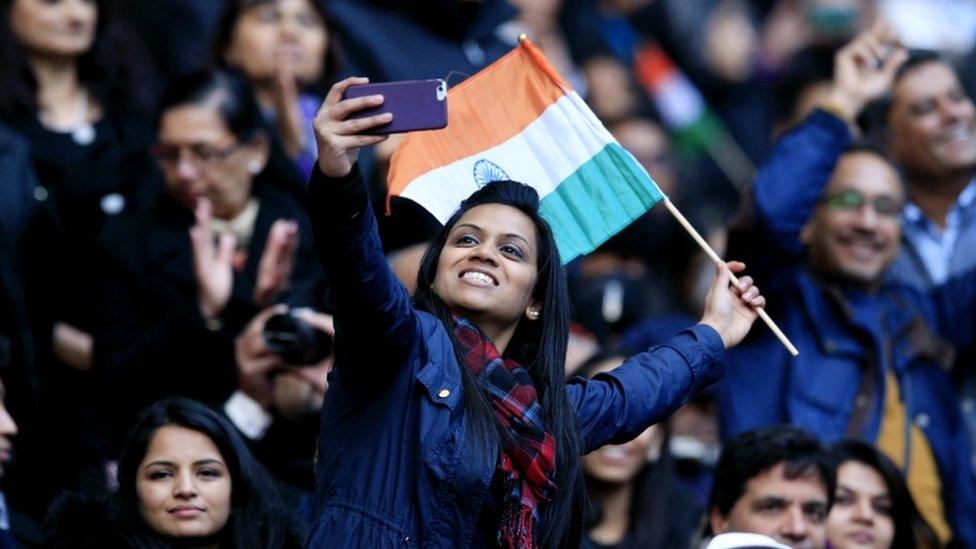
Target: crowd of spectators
pixel 153 160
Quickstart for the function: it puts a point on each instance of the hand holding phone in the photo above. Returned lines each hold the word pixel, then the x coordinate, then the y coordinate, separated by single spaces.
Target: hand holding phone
pixel 415 105
pixel 339 139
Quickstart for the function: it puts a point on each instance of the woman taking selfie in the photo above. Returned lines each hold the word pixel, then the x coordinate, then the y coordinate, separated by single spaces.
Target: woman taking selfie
pixel 448 421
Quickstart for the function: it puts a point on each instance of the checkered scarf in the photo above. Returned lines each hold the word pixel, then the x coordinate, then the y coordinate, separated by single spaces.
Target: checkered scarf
pixel 528 459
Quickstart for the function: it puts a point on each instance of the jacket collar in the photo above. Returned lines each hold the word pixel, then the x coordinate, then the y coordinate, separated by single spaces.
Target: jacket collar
pixel 441 373
pixel 847 320
pixel 831 321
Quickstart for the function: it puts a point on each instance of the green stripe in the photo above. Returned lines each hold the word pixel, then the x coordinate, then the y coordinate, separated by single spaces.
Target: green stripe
pixel 599 199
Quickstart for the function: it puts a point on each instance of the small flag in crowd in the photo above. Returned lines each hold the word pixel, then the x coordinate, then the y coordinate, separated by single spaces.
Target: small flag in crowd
pixel 681 105
pixel 694 126
pixel 518 119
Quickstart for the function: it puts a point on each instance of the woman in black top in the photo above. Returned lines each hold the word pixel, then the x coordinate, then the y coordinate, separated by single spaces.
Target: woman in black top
pixel 76 88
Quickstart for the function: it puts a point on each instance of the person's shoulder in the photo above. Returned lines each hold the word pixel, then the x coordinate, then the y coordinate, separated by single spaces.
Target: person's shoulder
pixel 276 197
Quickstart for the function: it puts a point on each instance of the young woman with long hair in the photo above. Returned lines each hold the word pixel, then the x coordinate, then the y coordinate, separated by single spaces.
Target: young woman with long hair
pixel 873 508
pixel 185 479
pixel 448 420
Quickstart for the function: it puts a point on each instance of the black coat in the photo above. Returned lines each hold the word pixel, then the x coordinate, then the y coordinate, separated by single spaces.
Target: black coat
pixel 150 339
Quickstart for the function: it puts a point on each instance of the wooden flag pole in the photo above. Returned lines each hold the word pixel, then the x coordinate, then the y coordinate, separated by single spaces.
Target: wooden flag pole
pixel 714 256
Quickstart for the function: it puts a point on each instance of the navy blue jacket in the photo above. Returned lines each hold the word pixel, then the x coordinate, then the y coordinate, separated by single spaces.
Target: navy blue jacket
pixel 844 333
pixel 396 466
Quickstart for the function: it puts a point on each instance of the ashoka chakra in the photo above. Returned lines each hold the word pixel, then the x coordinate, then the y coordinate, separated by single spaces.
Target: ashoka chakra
pixel 486 171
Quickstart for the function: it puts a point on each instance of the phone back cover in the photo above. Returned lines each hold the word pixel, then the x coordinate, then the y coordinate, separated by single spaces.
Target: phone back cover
pixel 415 104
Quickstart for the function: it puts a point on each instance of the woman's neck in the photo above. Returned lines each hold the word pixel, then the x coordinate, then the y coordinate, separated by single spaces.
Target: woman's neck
pixel 500 335
pixel 614 522
pixel 59 91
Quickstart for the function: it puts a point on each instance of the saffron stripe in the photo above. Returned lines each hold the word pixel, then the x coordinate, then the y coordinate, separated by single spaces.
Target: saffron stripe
pixel 481 115
pixel 548 151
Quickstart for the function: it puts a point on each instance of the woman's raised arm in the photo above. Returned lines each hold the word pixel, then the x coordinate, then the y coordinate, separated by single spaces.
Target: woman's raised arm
pixel 376 328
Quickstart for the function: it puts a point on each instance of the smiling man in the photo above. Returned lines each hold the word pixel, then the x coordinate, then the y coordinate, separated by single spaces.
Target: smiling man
pixel 872 354
pixel 931 133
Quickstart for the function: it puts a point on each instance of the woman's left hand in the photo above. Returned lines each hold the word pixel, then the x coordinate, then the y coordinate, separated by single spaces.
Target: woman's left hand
pixel 731 309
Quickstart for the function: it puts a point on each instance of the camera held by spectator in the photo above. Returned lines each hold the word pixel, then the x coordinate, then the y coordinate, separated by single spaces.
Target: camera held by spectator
pixel 296 341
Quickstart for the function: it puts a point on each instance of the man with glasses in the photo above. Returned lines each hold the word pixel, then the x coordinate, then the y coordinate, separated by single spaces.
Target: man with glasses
pixel 872 354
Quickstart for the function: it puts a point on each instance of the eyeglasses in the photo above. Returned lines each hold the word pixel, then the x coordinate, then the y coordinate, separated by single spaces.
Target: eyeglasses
pixel 199 155
pixel 852 200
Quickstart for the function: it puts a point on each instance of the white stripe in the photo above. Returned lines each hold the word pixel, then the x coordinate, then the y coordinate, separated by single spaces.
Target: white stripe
pixel 546 152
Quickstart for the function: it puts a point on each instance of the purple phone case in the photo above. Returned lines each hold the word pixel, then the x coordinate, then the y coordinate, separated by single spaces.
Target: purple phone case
pixel 415 104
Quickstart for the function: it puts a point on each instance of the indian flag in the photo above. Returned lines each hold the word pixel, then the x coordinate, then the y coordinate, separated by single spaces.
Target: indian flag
pixel 518 119
pixel 681 105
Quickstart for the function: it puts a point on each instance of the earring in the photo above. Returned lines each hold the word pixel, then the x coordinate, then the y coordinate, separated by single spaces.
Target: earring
pixel 254 167
pixel 533 314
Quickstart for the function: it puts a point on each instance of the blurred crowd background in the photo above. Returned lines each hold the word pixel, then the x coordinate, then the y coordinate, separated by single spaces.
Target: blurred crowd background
pixel 121 285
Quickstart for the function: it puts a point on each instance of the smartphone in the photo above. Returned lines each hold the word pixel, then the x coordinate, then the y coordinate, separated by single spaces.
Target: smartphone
pixel 415 104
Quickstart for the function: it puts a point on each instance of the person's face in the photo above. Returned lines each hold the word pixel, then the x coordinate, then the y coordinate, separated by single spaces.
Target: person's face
pixel 650 146
pixel 861 515
pixel 200 157
pixel 791 511
pixel 932 122
pixel 488 267
pixel 8 429
pixel 54 28
pixel 619 463
pixel 183 484
pixel 855 230
pixel 279 33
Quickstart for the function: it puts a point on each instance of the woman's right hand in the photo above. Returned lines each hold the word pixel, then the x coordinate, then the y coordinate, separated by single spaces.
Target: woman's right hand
pixel 337 139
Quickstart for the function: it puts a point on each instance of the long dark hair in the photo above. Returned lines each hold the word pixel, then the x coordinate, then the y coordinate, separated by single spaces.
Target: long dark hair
pixel 911 530
pixel 655 486
pixel 113 70
pixel 540 346
pixel 257 519
pixel 225 31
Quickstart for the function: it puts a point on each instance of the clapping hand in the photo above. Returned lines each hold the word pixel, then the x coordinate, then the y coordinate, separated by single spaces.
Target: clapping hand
pixel 288 113
pixel 277 262
pixel 212 262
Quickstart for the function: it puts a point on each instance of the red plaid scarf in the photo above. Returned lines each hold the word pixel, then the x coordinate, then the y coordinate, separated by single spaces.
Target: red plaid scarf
pixel 528 459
